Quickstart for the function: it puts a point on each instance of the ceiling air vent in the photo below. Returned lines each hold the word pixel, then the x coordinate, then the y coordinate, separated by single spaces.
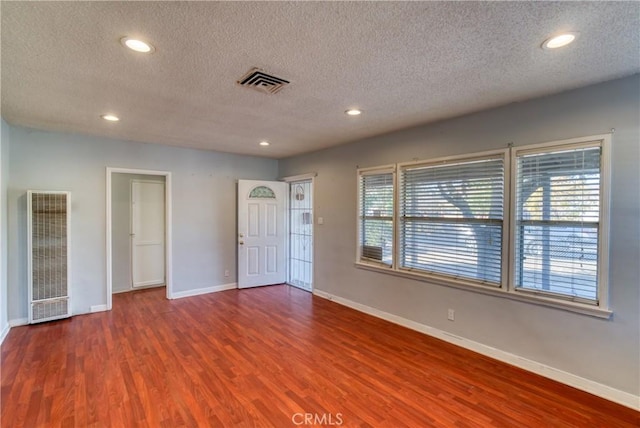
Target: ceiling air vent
pixel 263 82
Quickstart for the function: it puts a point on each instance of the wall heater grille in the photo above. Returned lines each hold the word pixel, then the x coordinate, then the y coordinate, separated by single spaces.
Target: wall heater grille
pixel 48 262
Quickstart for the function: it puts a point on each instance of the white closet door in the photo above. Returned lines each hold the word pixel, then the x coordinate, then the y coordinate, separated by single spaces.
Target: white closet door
pixel 147 233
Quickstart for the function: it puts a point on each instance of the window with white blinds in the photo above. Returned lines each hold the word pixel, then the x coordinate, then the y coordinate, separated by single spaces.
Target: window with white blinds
pixel 376 216
pixel 558 199
pixel 451 218
pixel 530 223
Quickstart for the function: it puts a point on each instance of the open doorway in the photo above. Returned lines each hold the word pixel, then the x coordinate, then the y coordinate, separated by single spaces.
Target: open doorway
pixel 138 230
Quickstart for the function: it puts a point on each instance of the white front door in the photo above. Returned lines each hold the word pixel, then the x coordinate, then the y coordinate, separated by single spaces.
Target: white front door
pixel 261 233
pixel 147 233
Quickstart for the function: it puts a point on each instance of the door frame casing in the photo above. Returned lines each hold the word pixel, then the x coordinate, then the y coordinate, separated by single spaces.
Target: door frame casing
pixel 168 264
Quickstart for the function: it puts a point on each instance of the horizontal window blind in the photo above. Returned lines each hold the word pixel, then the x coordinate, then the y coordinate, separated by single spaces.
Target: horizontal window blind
pixel 376 217
pixel 557 222
pixel 451 218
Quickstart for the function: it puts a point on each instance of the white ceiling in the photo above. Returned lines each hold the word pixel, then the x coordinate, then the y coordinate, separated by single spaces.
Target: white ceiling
pixel 403 63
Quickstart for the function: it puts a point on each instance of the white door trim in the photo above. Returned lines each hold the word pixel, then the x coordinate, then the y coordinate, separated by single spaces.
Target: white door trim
pixel 300 177
pixel 168 266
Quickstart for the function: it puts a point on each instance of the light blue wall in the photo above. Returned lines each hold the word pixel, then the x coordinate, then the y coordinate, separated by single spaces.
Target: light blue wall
pixel 204 207
pixel 604 351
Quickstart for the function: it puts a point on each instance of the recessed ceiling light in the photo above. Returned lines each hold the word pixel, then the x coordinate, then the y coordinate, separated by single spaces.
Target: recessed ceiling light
pixel 353 112
pixel 264 143
pixel 559 40
pixel 137 45
pixel 110 117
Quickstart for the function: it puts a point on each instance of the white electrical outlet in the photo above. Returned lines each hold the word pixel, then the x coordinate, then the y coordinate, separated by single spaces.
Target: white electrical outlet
pixel 451 314
pixel 226 273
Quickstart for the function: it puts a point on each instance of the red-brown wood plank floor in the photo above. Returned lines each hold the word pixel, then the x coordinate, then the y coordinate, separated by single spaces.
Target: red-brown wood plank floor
pixel 271 356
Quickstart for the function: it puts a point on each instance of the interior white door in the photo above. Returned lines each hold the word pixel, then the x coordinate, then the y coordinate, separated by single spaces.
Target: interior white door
pixel 147 233
pixel 261 233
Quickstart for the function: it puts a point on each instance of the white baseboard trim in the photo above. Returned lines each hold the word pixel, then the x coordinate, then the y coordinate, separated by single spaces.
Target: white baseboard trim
pixel 18 322
pixel 146 287
pixel 592 387
pixel 98 308
pixel 148 284
pixel 4 333
pixel 206 290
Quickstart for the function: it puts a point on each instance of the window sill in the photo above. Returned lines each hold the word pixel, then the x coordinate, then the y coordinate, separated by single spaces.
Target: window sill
pixel 579 308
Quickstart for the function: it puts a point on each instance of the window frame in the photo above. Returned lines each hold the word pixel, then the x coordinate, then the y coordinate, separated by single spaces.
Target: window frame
pixel 507 288
pixel 481 156
pixel 376 170
pixel 604 142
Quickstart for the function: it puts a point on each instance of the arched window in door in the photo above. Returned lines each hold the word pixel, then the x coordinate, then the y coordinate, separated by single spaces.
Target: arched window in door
pixel 262 192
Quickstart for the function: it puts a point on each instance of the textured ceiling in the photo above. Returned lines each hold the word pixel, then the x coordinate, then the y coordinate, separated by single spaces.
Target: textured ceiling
pixel 403 63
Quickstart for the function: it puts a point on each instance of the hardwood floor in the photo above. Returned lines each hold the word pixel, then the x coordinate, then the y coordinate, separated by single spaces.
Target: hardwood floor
pixel 272 356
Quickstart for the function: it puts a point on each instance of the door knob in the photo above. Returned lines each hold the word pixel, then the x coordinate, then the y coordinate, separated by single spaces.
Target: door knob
pixel 241 242
pixel 241 235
